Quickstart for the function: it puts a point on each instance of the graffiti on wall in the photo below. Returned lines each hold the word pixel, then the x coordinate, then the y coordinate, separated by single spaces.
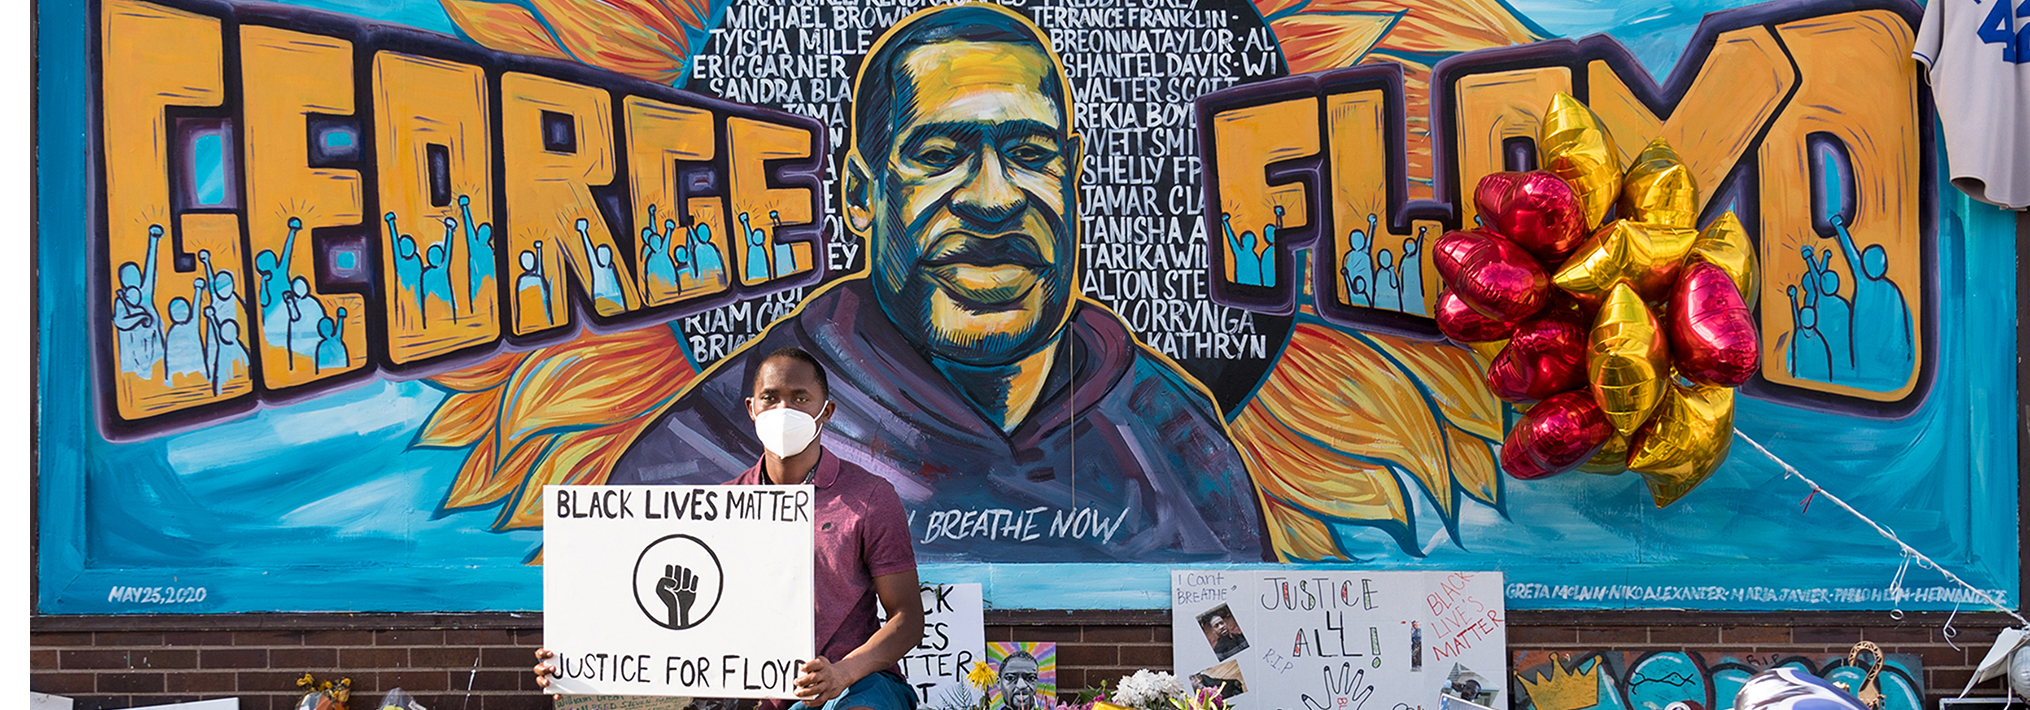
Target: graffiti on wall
pixel 1095 283
pixel 1693 680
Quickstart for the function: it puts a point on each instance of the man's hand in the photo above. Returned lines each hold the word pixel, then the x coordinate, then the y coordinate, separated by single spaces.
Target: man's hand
pixel 821 681
pixel 678 589
pixel 544 671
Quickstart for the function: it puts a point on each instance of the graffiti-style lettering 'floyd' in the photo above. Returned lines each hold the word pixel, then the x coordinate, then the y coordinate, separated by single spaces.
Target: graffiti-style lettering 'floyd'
pixel 1102 290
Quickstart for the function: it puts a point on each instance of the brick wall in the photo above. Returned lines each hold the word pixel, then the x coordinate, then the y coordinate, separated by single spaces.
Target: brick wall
pixel 481 661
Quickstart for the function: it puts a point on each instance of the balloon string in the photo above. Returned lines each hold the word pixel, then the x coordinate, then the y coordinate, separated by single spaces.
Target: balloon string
pixel 1908 551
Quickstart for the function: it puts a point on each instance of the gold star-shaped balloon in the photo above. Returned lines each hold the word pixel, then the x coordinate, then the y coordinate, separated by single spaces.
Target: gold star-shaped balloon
pixel 1724 243
pixel 1645 256
pixel 1686 442
pixel 1576 148
pixel 1612 459
pixel 1627 360
pixel 1659 188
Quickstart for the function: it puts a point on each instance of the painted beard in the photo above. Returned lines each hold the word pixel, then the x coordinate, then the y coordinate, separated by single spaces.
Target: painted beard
pixel 977 296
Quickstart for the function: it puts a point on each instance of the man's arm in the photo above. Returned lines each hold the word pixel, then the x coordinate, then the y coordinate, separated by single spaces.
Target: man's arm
pixel 904 630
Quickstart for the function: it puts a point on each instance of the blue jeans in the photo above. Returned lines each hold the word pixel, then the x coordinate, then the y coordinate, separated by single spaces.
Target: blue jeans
pixel 880 691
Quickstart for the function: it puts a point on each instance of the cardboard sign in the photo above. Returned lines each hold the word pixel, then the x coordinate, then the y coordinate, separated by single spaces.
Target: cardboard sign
pixel 1340 640
pixel 954 637
pixel 700 591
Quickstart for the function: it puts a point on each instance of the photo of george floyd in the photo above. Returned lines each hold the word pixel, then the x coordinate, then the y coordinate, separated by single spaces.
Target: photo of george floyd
pixel 1223 632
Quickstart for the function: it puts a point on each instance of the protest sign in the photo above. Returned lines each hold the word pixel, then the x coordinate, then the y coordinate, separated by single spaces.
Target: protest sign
pixel 954 637
pixel 701 591
pixel 1338 639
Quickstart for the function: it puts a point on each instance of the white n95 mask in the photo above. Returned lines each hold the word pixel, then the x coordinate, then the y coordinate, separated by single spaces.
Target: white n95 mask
pixel 785 432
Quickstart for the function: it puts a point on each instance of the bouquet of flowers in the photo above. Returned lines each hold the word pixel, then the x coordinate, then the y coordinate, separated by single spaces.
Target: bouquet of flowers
pixel 1149 691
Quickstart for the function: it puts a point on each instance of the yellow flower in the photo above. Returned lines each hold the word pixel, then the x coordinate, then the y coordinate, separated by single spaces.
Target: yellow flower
pixel 982 676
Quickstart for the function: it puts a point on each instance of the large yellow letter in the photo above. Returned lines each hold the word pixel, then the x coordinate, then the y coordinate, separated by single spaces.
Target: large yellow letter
pixel 305 335
pixel 761 210
pixel 177 343
pixel 556 142
pixel 438 265
pixel 682 247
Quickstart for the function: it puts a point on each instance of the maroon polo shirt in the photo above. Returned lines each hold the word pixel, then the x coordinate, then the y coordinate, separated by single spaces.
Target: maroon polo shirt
pixel 860 533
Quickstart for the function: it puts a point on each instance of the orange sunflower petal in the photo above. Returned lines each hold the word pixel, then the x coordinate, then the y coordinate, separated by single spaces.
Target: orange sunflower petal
pixel 504 27
pixel 1333 388
pixel 582 460
pixel 485 375
pixel 481 481
pixel 460 420
pixel 594 381
pixel 1473 466
pixel 1299 537
pixel 1316 479
pixel 1453 380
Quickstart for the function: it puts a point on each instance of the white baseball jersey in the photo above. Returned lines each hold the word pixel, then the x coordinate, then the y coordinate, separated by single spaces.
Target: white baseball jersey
pixel 1977 57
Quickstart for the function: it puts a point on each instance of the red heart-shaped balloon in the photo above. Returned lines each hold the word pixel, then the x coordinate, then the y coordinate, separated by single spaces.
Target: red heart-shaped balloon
pixel 1545 356
pixel 1491 274
pixel 1712 334
pixel 1463 324
pixel 1555 436
pixel 1536 210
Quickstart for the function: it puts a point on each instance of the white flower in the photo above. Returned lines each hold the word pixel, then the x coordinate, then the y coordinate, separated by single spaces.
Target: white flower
pixel 1149 691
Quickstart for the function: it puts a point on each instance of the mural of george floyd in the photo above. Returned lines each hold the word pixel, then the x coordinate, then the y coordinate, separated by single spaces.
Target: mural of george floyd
pixel 330 290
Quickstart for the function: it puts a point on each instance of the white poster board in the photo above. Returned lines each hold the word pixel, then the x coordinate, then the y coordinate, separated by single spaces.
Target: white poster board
pixel 700 591
pixel 1341 640
pixel 954 638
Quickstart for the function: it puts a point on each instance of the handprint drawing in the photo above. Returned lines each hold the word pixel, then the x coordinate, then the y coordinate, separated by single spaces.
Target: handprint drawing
pixel 1346 690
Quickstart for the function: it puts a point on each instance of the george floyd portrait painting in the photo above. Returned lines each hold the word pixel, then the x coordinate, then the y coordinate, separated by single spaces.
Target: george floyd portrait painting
pixel 968 367
pixel 1102 288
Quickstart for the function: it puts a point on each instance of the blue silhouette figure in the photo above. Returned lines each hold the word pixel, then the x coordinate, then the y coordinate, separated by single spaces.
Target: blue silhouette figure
pixel 304 312
pixel 1412 272
pixel 1358 266
pixel 757 250
pixel 1247 265
pixel 479 266
pixel 1810 359
pixel 436 283
pixel 1388 283
pixel 184 340
pixel 1884 351
pixel 274 275
pixel 449 254
pixel 680 254
pixel 134 316
pixel 659 267
pixel 408 271
pixel 1836 323
pixel 1265 271
pixel 605 276
pixel 1835 316
pixel 227 354
pixel 331 344
pixel 225 299
pixel 785 257
pixel 705 260
pixel 532 279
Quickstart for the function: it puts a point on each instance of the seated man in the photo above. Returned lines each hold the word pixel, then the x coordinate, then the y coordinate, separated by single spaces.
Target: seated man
pixel 862 547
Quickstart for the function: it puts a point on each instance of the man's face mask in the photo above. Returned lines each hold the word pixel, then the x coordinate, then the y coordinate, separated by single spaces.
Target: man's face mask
pixel 785 432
